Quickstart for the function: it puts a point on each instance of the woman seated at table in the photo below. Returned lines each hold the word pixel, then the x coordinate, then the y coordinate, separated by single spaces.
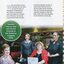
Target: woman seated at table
pixel 6 58
pixel 40 53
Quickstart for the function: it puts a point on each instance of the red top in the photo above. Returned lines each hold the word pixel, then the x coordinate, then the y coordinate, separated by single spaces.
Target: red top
pixel 44 55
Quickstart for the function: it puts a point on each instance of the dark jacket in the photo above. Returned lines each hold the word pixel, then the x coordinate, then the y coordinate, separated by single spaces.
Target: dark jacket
pixel 26 48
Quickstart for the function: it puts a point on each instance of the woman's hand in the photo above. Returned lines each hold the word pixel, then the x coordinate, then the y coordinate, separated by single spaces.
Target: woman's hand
pixel 53 55
pixel 21 56
pixel 49 54
pixel 41 62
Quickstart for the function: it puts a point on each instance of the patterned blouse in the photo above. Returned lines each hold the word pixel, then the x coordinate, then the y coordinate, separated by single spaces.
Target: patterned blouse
pixel 7 60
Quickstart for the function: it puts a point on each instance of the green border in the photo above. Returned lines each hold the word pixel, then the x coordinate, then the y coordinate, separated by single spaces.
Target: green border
pixel 19 34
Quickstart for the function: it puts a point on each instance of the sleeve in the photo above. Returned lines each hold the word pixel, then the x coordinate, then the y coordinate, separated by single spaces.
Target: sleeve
pixel 33 53
pixel 0 61
pixel 60 48
pixel 45 56
pixel 49 46
pixel 11 60
pixel 60 52
pixel 32 46
pixel 21 47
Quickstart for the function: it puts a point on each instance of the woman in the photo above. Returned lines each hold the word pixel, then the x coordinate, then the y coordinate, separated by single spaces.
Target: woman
pixel 6 58
pixel 26 47
pixel 40 53
pixel 55 50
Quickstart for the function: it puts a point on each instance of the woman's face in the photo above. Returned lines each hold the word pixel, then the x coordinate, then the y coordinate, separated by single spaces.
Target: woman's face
pixel 55 37
pixel 7 51
pixel 27 37
pixel 39 47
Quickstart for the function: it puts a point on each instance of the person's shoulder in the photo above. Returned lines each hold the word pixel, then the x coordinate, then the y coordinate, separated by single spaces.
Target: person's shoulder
pixel 10 56
pixel 23 42
pixel 31 41
pixel 45 51
pixel 1 58
pixel 35 50
pixel 60 42
pixel 51 42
